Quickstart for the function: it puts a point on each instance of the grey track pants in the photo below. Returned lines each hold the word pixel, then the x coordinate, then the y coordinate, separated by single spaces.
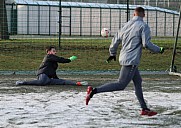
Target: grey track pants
pixel 43 79
pixel 127 73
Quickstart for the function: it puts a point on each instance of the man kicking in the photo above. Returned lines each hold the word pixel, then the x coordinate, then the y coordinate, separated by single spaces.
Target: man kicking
pixel 47 71
pixel 134 36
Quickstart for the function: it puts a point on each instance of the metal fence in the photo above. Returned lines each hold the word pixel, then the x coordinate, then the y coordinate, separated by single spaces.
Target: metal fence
pixel 28 20
pixel 169 4
pixel 82 19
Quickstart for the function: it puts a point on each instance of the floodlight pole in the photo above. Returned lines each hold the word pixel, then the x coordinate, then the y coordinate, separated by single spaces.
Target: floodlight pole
pixel 60 23
pixel 172 69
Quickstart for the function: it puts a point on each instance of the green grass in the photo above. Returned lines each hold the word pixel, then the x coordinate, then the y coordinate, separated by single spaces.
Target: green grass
pixel 27 54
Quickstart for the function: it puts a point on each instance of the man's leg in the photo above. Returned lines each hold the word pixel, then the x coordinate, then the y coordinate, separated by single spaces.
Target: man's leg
pixel 42 80
pixel 137 80
pixel 62 82
pixel 139 93
pixel 126 75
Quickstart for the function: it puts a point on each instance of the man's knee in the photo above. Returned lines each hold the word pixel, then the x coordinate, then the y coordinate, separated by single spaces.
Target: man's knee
pixel 122 85
pixel 43 82
pixel 138 81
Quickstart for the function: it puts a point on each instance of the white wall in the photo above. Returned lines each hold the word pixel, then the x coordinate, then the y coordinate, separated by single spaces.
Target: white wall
pixel 40 20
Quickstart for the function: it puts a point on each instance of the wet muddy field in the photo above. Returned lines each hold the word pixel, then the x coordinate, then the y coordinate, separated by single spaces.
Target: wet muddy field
pixel 63 106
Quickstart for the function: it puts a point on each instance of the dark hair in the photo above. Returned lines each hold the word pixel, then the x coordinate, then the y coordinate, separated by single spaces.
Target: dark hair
pixel 49 48
pixel 140 10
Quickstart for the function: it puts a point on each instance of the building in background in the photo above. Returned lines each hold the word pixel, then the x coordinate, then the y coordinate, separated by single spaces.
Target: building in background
pixel 170 4
pixel 27 17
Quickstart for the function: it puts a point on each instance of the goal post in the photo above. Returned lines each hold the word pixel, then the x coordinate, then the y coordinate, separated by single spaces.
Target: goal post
pixel 175 68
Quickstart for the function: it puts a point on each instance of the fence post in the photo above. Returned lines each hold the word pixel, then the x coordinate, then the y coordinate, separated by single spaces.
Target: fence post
pixel 156 22
pixel 119 18
pixel 173 25
pixel 49 20
pixel 4 34
pixel 127 10
pixel 173 67
pixel 38 19
pixel 100 21
pixel 70 22
pixel 165 20
pixel 13 20
pixel 60 23
pixel 147 16
pixel 110 18
pixel 90 21
pixel 80 21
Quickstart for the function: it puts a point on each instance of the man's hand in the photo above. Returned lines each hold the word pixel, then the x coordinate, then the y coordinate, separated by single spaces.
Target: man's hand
pixel 161 50
pixel 73 58
pixel 110 58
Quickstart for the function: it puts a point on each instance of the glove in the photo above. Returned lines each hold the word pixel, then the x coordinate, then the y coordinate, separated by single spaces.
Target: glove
pixel 110 58
pixel 161 50
pixel 73 58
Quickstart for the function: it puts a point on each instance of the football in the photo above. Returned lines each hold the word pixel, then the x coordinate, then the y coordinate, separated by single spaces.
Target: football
pixel 105 32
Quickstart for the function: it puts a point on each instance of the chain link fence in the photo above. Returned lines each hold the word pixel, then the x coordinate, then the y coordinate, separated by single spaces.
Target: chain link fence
pixel 26 17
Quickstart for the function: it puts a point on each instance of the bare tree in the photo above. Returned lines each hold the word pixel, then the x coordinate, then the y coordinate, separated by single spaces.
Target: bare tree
pixel 3 21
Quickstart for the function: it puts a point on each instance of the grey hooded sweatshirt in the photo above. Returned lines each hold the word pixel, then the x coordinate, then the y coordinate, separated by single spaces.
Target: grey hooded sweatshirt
pixel 134 35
